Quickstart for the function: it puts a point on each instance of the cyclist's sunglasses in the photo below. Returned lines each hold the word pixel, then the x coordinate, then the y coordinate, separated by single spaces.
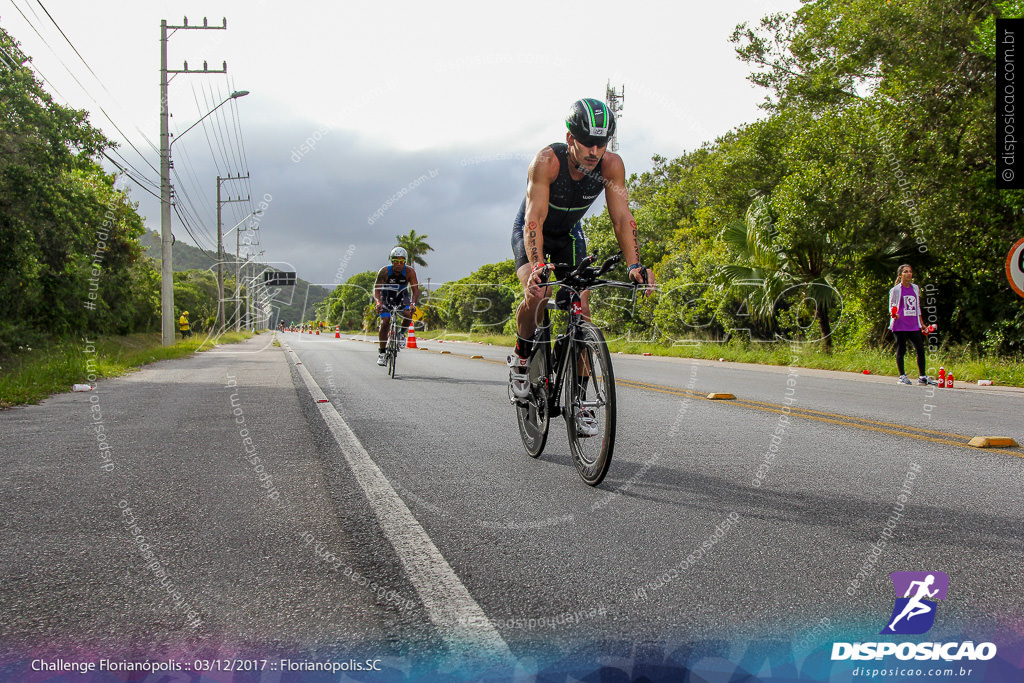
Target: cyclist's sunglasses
pixel 588 141
pixel 398 260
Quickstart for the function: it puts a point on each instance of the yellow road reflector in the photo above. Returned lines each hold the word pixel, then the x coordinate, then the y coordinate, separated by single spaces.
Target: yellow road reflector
pixel 476 356
pixel 721 397
pixel 992 442
pixel 444 352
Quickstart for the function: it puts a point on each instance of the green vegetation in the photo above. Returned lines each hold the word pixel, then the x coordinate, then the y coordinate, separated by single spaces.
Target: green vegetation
pixel 33 374
pixel 351 303
pixel 293 304
pixel 876 151
pixel 70 262
pixel 183 256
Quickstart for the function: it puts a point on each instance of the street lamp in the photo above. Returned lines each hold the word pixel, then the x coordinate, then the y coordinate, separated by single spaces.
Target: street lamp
pixel 167 267
pixel 232 96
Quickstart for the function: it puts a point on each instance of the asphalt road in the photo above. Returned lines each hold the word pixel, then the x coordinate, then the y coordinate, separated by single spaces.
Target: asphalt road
pixel 404 520
pixel 530 541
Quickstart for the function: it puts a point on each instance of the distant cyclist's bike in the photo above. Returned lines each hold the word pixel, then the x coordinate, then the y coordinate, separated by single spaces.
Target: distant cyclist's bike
pixel 394 341
pixel 572 377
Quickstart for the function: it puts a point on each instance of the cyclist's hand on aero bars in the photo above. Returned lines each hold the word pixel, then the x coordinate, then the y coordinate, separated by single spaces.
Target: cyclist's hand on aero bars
pixel 644 276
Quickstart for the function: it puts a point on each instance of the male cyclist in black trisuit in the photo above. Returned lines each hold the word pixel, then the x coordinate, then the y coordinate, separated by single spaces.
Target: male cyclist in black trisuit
pixel 563 181
pixel 396 285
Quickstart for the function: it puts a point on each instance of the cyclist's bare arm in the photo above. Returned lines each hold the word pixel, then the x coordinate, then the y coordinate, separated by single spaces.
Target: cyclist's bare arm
pixel 378 285
pixel 543 171
pixel 623 222
pixel 414 286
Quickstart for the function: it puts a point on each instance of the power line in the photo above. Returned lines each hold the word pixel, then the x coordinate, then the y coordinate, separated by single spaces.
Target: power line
pixel 194 183
pixel 188 207
pixel 185 224
pixel 220 134
pixel 139 178
pixel 75 78
pixel 241 141
pixel 130 176
pixel 217 137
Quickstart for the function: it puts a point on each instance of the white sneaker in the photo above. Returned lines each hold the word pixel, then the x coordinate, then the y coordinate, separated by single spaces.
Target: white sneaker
pixel 518 376
pixel 380 360
pixel 586 423
pixel 903 380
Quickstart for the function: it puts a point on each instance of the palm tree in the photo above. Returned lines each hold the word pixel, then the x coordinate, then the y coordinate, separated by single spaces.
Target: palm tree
pixel 416 245
pixel 772 274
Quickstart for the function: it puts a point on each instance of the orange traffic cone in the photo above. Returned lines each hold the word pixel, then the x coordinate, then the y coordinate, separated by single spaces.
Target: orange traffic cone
pixel 410 341
pixel 337 331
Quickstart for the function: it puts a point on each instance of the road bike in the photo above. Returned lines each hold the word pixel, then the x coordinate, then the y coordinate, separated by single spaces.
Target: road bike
pixel 394 340
pixel 572 376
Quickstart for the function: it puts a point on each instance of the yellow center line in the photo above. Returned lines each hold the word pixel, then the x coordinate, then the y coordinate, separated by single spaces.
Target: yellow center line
pixel 921 434
pixel 803 412
pixel 950 438
pixel 862 419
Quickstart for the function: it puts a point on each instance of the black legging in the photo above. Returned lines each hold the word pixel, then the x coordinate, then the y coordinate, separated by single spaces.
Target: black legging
pixel 917 339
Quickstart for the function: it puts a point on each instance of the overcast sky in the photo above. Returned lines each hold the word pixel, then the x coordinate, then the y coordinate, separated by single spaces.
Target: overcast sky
pixel 414 115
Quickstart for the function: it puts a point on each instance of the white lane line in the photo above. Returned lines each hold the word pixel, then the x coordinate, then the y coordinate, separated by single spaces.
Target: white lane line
pixel 461 621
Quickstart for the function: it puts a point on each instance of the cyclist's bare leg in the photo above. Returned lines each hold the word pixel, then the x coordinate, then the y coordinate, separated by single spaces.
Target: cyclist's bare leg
pixel 531 310
pixel 583 365
pixel 382 336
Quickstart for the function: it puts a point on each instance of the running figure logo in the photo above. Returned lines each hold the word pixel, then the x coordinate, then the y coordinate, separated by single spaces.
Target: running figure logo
pixel 917 594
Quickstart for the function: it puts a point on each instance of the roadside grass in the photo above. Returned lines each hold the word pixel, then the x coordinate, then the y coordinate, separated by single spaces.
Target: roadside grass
pixel 33 374
pixel 967 364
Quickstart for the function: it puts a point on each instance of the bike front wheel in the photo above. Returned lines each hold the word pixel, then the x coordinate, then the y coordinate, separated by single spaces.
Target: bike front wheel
pixel 589 404
pixel 532 413
pixel 392 352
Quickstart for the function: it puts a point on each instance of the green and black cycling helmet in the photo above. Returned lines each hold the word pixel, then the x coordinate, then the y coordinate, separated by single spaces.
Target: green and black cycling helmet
pixel 591 122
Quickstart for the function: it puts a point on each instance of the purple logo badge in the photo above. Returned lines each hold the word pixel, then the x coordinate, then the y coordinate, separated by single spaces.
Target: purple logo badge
pixel 917 594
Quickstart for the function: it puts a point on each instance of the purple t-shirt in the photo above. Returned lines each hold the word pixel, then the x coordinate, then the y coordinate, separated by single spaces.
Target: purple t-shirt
pixel 909 310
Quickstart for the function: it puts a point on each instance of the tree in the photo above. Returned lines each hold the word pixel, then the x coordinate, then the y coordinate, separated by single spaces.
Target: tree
pixel 913 85
pixel 416 245
pixel 346 305
pixel 774 278
pixel 486 298
pixel 196 291
pixel 69 256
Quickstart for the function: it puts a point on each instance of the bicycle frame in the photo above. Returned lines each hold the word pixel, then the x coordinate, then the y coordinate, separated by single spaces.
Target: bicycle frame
pixel 579 353
pixel 562 349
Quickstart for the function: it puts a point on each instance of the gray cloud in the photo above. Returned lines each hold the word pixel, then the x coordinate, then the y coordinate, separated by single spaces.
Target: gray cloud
pixel 340 191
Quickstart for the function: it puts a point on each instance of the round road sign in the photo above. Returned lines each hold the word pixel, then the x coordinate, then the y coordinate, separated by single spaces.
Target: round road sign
pixel 1015 267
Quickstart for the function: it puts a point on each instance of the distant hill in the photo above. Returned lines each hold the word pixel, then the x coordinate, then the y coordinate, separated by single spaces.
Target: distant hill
pixel 295 304
pixel 185 256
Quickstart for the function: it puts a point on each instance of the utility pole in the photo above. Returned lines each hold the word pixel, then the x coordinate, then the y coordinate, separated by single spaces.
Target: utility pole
pixel 253 284
pixel 614 100
pixel 238 259
pixel 166 238
pixel 220 250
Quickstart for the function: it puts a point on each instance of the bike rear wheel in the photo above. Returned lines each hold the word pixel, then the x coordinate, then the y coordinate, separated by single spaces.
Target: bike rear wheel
pixel 532 413
pixel 589 405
